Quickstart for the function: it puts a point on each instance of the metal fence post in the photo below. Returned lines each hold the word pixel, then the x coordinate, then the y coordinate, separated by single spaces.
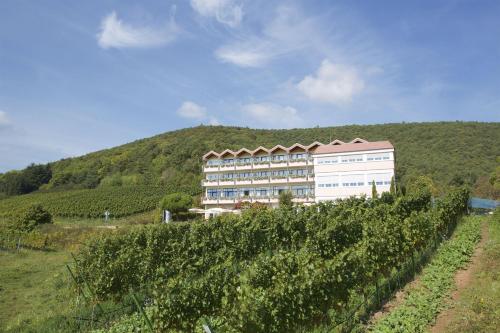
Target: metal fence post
pixel 141 310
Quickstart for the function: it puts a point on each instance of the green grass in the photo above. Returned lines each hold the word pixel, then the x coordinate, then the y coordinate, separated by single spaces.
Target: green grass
pixel 423 303
pixel 34 287
pixel 478 308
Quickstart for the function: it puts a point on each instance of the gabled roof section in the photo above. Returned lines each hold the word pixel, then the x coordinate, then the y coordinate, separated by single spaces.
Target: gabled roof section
pixel 260 149
pixel 243 150
pixel 297 145
pixel 358 140
pixel 314 145
pixel 227 152
pixel 353 147
pixel 210 154
pixel 337 142
pixel 277 147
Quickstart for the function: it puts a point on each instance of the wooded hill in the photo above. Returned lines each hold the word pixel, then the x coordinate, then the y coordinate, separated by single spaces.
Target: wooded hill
pixel 450 153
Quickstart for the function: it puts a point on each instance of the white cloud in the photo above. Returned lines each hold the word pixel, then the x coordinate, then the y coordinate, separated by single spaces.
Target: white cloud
pixel 288 31
pixel 332 83
pixel 228 12
pixel 242 55
pixel 4 120
pixel 273 115
pixel 192 110
pixel 115 33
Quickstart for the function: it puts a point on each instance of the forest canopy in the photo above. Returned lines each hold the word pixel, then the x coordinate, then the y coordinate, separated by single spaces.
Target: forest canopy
pixel 449 153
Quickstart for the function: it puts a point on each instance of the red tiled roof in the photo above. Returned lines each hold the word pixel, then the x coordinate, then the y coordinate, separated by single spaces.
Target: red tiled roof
pixel 352 147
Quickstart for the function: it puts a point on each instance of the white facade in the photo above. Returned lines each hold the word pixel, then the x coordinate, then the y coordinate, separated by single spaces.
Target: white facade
pixel 312 173
pixel 341 175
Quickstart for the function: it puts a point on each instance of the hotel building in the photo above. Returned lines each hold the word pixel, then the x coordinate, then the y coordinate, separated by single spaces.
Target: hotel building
pixel 313 173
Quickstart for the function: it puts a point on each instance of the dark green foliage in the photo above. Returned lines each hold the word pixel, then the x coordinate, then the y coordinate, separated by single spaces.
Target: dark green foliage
pixel 25 181
pixel 33 216
pixel 374 190
pixel 266 270
pixel 439 150
pixel 176 203
pixel 393 187
pixel 285 199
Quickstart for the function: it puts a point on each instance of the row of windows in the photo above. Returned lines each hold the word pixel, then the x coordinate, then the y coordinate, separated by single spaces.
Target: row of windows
pixel 263 158
pixel 246 175
pixel 352 184
pixel 354 158
pixel 257 192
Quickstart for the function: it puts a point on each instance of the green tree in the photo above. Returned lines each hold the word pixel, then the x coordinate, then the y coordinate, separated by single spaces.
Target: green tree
pixel 285 199
pixel 393 187
pixel 33 216
pixel 374 190
pixel 176 203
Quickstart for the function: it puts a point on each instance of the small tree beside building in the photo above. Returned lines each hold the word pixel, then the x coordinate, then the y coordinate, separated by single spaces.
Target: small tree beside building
pixel 176 204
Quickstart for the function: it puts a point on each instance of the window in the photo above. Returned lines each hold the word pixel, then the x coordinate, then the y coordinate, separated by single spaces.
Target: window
pixel 245 175
pixel 244 160
pixel 228 176
pixel 279 157
pixel 327 160
pixel 279 173
pixel 229 193
pixel 378 157
pixel 213 162
pixel 245 192
pixel 261 192
pixel 228 161
pixel 351 158
pixel 299 191
pixel 212 176
pixel 379 178
pixel 297 156
pixel 212 193
pixel 353 180
pixel 263 158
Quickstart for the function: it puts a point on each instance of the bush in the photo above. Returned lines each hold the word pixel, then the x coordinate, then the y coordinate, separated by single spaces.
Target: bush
pixel 285 199
pixel 176 203
pixel 32 217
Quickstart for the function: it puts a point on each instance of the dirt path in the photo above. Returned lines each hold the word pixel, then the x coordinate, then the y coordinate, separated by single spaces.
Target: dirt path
pixel 463 279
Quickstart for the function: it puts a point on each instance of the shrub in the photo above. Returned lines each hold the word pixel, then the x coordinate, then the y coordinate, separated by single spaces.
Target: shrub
pixel 285 199
pixel 176 203
pixel 32 217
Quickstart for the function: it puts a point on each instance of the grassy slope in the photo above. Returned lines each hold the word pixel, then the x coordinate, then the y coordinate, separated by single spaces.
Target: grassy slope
pixel 33 286
pixel 478 308
pixel 440 150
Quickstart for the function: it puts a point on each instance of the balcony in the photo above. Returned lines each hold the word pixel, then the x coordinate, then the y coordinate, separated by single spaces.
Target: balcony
pixel 227 200
pixel 260 180
pixel 261 165
pixel 243 181
pixel 209 200
pixel 297 162
pixel 210 168
pixel 298 179
pixel 226 182
pixel 227 167
pixel 278 164
pixel 243 166
pixel 279 179
pixel 208 183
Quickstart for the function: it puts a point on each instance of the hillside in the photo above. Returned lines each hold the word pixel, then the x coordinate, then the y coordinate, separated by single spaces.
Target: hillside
pixel 448 152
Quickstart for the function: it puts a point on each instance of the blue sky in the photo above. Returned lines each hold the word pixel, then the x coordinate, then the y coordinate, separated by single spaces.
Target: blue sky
pixel 78 76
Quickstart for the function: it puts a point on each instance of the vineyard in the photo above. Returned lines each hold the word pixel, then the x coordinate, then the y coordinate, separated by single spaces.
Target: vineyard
pixel 268 270
pixel 119 201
